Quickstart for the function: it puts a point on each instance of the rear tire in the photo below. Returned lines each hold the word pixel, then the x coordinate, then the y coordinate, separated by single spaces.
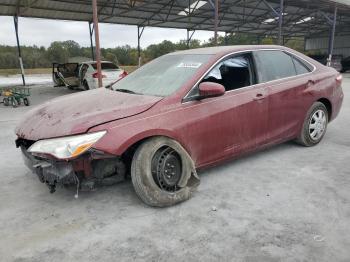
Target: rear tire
pixel 163 173
pixel 314 126
pixel 86 85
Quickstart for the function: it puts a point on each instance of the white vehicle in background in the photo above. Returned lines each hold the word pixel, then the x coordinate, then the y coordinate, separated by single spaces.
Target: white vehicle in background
pixel 84 75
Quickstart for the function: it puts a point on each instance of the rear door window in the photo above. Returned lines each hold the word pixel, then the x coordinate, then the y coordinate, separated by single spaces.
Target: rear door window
pixel 273 64
pixel 300 67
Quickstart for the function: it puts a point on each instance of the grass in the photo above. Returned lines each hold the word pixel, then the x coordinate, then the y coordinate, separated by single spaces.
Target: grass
pixel 30 71
pixel 129 69
pixel 33 71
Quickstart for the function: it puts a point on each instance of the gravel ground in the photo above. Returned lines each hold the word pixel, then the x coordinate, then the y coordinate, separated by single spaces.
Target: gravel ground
pixel 287 203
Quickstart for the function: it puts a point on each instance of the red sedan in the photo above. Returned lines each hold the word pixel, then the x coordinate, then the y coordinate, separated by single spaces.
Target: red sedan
pixel 183 111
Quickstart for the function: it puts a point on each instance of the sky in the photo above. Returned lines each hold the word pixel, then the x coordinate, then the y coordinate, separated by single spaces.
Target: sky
pixel 41 32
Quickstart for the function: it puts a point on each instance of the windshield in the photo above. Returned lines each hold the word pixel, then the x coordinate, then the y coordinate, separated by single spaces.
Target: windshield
pixel 162 76
pixel 105 66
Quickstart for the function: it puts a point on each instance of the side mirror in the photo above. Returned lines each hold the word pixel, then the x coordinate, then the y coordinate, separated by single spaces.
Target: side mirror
pixel 210 89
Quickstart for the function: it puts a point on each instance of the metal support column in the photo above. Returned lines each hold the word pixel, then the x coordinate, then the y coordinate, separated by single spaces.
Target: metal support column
pixel 331 37
pixel 280 23
pixel 91 32
pixel 139 34
pixel 216 21
pixel 15 20
pixel 189 37
pixel 97 41
pixel 225 38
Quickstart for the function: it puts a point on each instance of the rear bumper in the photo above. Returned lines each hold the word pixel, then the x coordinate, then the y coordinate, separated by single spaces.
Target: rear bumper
pixel 337 101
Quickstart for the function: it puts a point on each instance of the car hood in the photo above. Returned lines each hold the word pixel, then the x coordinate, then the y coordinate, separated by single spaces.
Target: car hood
pixel 76 113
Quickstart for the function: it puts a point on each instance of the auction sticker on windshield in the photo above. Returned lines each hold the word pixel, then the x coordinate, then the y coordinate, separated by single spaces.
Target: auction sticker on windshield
pixel 189 65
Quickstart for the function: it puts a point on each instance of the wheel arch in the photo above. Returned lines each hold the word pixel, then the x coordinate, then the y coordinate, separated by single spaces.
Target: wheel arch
pixel 130 146
pixel 328 105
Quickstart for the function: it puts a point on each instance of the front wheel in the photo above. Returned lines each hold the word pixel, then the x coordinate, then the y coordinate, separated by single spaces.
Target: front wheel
pixel 6 101
pixel 163 173
pixel 315 125
pixel 14 102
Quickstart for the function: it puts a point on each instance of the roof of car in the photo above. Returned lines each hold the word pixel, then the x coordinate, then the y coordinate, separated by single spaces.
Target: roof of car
pixel 94 62
pixel 226 49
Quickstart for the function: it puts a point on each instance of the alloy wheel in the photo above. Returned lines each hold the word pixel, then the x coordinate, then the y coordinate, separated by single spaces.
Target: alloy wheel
pixel 317 125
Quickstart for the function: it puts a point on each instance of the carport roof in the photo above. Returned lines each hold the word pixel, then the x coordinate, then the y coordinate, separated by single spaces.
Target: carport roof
pixel 301 17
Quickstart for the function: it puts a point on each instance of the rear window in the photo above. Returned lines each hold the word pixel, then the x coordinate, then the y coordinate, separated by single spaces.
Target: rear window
pixel 106 66
pixel 273 65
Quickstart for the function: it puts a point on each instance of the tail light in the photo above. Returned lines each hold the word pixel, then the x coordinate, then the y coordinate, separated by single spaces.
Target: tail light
pixel 339 79
pixel 95 75
pixel 124 74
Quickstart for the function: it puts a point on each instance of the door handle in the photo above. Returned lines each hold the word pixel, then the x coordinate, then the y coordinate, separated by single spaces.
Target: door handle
pixel 259 96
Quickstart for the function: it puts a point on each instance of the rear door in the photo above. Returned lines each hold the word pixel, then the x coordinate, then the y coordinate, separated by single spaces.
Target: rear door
pixel 286 78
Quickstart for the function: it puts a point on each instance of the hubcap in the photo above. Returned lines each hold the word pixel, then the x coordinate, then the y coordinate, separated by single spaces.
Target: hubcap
pixel 166 169
pixel 317 125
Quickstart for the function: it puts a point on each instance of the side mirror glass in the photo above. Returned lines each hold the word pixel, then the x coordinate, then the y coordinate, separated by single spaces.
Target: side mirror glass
pixel 210 89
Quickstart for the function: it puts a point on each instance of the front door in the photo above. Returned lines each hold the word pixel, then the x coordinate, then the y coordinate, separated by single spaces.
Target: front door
pixel 236 122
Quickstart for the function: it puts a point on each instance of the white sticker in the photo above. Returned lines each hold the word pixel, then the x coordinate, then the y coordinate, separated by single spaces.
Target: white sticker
pixel 189 65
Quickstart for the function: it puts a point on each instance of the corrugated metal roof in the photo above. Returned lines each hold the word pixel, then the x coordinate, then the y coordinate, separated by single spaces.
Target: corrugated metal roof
pixel 248 16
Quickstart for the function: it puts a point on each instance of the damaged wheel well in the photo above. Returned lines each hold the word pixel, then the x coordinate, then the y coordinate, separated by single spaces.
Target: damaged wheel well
pixel 128 155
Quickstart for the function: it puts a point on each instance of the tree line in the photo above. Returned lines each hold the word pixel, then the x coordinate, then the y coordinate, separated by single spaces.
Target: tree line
pixel 61 51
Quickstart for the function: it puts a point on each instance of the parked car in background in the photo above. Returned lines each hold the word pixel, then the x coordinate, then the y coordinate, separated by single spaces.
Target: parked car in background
pixel 178 113
pixel 345 63
pixel 84 75
pixel 335 63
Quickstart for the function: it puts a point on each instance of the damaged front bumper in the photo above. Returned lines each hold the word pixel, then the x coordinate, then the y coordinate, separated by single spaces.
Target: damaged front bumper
pixel 50 172
pixel 88 171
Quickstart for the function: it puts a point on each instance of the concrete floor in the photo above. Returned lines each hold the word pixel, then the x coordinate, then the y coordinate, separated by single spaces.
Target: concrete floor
pixel 288 203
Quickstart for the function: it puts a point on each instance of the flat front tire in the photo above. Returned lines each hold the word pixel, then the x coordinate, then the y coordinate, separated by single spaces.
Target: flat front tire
pixel 163 173
pixel 314 126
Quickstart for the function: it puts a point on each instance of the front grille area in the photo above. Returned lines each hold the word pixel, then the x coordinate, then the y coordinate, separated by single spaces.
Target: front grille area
pixel 24 142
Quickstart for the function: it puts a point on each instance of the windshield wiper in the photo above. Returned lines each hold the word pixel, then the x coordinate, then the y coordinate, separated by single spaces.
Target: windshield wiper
pixel 126 91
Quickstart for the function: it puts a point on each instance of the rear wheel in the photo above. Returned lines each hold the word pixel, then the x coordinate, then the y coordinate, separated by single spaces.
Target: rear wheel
pixel 86 85
pixel 315 125
pixel 26 101
pixel 162 172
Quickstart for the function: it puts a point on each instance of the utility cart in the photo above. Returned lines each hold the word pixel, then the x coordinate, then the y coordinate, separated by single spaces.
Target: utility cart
pixel 14 96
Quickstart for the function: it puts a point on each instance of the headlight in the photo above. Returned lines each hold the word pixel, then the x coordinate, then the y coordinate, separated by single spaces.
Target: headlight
pixel 66 147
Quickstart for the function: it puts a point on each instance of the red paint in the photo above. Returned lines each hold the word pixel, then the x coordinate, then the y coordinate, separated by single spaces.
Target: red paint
pixel 211 129
pixel 124 74
pixel 95 75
